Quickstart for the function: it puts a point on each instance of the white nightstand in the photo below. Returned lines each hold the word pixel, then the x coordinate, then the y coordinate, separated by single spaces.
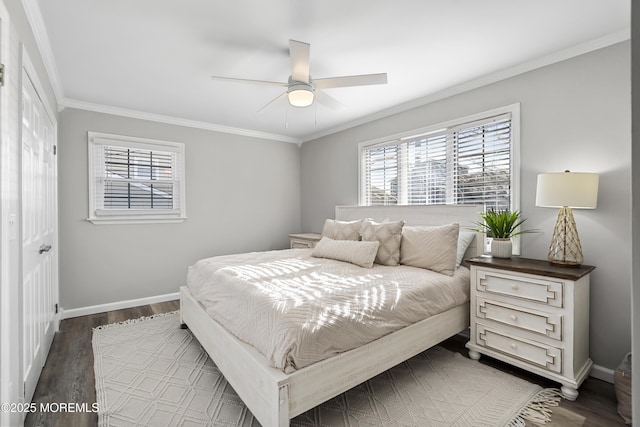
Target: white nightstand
pixel 304 240
pixel 533 315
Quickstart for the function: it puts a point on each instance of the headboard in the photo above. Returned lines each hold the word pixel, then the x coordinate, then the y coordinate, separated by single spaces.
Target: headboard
pixel 427 215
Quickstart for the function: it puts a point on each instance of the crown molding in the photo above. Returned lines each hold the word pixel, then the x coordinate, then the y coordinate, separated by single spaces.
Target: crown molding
pixel 543 61
pixel 34 16
pixel 141 115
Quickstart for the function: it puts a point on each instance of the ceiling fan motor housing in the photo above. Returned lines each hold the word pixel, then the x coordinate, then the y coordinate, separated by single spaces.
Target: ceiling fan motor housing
pixel 300 94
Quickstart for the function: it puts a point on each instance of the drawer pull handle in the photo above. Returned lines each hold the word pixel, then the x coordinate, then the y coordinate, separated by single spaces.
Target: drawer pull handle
pixel 514 345
pixel 514 287
pixel 514 317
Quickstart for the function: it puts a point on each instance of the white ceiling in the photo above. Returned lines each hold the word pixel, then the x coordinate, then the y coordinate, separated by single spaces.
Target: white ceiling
pixel 157 56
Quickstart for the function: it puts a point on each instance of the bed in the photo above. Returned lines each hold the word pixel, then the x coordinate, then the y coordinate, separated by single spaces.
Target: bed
pixel 275 396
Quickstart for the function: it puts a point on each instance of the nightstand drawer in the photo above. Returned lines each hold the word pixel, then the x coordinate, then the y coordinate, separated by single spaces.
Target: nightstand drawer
pixel 520 286
pixel 539 322
pixel 303 240
pixel 538 354
pixel 298 244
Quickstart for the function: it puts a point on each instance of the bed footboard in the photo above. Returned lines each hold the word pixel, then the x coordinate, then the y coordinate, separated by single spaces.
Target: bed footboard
pixel 274 397
pixel 264 390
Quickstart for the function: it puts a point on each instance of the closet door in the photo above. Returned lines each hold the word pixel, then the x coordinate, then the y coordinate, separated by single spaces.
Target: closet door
pixel 39 232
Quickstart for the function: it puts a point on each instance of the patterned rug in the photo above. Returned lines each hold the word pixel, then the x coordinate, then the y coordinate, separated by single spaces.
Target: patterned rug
pixel 149 372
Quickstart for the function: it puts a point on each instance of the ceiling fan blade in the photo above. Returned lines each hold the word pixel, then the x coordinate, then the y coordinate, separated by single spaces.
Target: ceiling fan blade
pixel 328 101
pixel 299 53
pixel 260 82
pixel 272 101
pixel 346 81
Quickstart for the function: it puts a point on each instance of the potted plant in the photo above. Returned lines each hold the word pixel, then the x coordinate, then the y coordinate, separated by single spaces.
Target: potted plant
pixel 501 226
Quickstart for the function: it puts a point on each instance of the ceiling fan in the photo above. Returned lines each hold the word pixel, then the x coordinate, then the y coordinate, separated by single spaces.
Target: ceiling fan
pixel 302 90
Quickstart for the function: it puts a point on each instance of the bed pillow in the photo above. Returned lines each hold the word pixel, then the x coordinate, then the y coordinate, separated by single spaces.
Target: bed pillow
pixel 356 252
pixel 433 248
pixel 342 230
pixel 389 235
pixel 464 240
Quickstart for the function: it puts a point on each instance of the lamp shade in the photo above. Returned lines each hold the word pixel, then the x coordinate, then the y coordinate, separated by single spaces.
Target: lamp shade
pixel 300 95
pixel 573 189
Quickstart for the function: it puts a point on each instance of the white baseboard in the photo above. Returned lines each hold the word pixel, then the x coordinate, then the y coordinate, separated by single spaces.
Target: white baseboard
pixel 101 308
pixel 602 373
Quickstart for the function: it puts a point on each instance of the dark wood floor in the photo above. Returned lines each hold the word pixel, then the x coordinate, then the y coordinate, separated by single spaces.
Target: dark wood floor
pixel 68 376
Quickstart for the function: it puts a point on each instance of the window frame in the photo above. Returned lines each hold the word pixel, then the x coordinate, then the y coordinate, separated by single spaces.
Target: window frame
pixel 97 215
pixel 396 139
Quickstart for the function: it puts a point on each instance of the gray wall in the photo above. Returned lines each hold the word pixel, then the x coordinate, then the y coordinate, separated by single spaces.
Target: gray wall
pixel 574 115
pixel 243 194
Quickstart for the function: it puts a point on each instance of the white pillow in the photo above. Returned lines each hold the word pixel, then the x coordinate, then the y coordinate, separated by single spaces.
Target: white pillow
pixel 356 252
pixel 464 240
pixel 434 248
pixel 342 230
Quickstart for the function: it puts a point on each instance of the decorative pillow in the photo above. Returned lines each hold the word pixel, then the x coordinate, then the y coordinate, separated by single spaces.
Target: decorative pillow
pixel 434 248
pixel 355 252
pixel 464 240
pixel 389 234
pixel 342 230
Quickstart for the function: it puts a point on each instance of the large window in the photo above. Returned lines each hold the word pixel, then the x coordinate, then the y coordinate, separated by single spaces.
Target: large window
pixel 468 161
pixel 135 179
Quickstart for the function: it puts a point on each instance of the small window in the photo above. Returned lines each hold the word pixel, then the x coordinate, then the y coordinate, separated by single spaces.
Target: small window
pixel 134 180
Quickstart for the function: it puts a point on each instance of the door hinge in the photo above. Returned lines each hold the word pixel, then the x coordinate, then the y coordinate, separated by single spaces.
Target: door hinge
pixel 56 308
pixel 55 150
pixel 1 74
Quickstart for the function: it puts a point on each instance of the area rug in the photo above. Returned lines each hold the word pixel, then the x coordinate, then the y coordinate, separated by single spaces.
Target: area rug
pixel 149 372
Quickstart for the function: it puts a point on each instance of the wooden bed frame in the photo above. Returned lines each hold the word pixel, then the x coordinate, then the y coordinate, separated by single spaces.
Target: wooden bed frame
pixel 275 397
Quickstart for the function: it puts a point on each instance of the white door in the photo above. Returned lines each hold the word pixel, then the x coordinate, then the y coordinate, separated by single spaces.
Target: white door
pixel 39 232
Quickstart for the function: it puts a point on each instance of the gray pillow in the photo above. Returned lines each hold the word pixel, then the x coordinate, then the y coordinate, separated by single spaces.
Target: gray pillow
pixel 464 240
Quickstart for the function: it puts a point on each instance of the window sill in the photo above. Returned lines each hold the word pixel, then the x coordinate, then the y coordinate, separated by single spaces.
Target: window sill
pixel 136 220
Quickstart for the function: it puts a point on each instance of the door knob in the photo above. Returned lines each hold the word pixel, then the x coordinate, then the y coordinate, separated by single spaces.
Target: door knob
pixel 44 248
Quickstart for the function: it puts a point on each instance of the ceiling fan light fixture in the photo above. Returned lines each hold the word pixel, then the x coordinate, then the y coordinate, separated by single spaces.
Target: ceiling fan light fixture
pixel 301 88
pixel 300 95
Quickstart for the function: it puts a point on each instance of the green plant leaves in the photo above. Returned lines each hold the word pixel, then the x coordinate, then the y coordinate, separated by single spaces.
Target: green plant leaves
pixel 501 224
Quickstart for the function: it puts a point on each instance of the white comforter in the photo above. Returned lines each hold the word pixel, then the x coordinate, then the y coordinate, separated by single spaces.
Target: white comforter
pixel 297 309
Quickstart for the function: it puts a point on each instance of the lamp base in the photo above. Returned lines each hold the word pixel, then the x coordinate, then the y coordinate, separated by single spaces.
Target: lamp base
pixel 565 249
pixel 565 264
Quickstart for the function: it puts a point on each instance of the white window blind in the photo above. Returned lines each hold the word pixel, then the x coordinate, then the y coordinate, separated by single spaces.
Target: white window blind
pixel 461 163
pixel 382 167
pixel 135 179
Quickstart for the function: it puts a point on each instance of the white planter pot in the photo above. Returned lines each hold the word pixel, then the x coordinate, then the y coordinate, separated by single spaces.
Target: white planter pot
pixel 501 248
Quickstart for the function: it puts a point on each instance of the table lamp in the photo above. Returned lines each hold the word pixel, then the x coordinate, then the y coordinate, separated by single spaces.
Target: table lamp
pixel 566 190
